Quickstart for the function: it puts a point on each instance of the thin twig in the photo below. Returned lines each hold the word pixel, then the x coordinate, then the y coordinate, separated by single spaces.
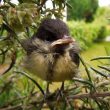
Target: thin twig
pixel 105 68
pixel 99 72
pixel 104 83
pixel 13 60
pixel 12 107
pixel 87 71
pixel 88 95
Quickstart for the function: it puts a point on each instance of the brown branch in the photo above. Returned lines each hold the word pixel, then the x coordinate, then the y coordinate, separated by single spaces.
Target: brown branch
pixel 69 98
pixel 12 107
pixel 88 95
pixel 13 60
pixel 104 83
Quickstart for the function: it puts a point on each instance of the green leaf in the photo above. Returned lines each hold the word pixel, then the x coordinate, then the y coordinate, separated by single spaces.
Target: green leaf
pixel 101 58
pixel 68 5
pixel 99 72
pixel 105 68
pixel 83 81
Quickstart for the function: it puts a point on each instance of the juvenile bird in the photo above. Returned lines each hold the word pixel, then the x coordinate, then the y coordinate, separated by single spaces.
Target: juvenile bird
pixel 52 54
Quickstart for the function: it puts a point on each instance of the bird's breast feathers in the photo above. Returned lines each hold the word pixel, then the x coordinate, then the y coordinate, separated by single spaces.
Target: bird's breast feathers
pixel 50 68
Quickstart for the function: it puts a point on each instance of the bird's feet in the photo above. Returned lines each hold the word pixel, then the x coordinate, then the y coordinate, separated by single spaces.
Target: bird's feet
pixel 60 92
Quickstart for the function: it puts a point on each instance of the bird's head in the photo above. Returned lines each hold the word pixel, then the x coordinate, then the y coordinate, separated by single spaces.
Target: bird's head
pixel 55 32
pixel 51 36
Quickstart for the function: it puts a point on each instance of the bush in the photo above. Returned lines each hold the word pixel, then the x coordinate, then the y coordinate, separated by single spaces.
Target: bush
pixel 82 9
pixel 103 16
pixel 103 12
pixel 87 33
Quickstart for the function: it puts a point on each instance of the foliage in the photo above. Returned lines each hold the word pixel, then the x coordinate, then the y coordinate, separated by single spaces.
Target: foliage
pixel 18 90
pixel 84 33
pixel 82 9
pixel 103 15
pixel 87 33
pixel 103 12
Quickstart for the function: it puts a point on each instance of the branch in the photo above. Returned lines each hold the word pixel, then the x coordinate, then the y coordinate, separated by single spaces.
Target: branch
pixel 13 60
pixel 88 95
pixel 12 107
pixel 104 83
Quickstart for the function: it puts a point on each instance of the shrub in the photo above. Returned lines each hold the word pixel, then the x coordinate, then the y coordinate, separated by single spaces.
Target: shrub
pixel 87 33
pixel 102 12
pixel 82 9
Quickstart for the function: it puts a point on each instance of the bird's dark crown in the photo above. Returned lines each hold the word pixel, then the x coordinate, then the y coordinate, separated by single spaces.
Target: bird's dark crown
pixel 51 29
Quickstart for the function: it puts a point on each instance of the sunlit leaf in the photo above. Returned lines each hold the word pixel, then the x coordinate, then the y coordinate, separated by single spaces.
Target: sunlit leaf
pixel 3 68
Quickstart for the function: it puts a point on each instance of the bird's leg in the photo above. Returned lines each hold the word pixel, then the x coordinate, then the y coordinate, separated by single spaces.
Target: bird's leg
pixel 62 86
pixel 47 89
pixel 60 91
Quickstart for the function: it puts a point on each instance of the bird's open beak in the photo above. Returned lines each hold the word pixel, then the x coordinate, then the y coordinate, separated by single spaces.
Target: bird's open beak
pixel 64 40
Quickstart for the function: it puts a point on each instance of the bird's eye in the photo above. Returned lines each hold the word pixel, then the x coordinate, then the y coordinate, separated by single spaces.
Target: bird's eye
pixel 50 39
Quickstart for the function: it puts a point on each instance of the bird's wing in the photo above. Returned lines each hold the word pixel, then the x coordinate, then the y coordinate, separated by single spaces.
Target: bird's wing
pixel 74 53
pixel 28 46
pixel 74 57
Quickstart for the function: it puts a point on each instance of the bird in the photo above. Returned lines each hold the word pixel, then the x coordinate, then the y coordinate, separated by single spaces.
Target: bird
pixel 51 53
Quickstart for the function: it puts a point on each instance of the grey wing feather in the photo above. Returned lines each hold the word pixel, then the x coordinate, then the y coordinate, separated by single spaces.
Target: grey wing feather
pixel 28 46
pixel 74 53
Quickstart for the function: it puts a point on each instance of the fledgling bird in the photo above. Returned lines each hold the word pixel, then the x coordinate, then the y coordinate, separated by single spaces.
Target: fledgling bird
pixel 52 54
